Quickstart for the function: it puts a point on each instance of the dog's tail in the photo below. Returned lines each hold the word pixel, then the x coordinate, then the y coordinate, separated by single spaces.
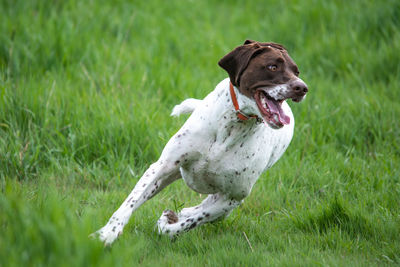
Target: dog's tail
pixel 187 106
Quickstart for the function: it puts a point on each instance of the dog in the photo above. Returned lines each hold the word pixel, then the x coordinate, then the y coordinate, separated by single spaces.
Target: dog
pixel 232 136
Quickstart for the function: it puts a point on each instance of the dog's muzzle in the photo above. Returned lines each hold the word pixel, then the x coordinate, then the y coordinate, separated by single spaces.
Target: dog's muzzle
pixel 298 89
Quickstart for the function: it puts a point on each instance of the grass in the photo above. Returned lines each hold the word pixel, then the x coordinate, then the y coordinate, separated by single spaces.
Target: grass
pixel 86 88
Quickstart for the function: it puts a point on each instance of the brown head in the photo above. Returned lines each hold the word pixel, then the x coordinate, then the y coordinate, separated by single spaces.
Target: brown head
pixel 266 73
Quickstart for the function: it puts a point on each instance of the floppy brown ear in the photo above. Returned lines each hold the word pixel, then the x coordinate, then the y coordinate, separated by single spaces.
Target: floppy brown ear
pixel 236 61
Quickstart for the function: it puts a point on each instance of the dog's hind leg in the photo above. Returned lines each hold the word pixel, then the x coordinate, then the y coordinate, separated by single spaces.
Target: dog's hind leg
pixel 187 106
pixel 212 208
pixel 159 175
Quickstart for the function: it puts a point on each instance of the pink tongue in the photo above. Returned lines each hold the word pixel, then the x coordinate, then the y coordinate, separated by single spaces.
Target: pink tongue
pixel 276 108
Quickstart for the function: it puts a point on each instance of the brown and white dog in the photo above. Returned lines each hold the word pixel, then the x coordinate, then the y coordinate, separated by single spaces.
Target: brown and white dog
pixel 233 135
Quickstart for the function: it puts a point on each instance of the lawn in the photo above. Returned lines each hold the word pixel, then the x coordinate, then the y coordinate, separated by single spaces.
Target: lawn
pixel 86 88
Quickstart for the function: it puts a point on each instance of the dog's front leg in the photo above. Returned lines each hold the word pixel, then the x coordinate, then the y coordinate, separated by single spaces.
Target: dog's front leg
pixel 159 175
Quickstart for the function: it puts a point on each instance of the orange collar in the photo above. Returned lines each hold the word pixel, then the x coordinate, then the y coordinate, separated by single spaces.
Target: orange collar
pixel 241 116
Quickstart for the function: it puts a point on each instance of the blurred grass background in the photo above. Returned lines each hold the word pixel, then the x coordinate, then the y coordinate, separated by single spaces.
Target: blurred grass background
pixel 86 88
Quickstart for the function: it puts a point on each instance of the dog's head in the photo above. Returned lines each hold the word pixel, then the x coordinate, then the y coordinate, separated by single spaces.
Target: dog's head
pixel 265 73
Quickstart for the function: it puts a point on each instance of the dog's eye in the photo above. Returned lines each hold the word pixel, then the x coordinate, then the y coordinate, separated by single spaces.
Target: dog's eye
pixel 272 67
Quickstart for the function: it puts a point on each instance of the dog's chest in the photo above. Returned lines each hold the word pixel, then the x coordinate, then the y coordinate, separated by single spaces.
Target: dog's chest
pixel 233 158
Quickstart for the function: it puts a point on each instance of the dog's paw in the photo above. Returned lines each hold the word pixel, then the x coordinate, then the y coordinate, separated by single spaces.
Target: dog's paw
pixel 171 216
pixel 167 219
pixel 108 234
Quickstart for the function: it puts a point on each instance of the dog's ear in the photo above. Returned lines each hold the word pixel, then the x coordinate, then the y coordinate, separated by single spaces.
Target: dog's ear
pixel 237 61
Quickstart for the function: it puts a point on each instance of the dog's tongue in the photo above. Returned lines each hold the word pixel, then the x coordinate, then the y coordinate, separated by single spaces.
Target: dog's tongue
pixel 276 108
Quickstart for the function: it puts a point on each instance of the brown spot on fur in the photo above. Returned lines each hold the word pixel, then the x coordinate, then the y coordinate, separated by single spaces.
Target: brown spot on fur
pixel 171 216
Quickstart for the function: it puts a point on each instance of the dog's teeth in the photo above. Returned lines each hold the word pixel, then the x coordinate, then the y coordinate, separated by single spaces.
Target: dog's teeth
pixel 264 103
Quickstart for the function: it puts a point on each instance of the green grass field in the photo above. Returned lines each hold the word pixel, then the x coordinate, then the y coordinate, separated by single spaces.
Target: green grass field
pixel 86 88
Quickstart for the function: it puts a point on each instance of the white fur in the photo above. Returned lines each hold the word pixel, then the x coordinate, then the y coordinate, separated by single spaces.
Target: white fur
pixel 186 106
pixel 279 92
pixel 215 154
pixel 282 91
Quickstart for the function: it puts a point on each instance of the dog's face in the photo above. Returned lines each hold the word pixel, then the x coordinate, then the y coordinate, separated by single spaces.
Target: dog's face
pixel 265 73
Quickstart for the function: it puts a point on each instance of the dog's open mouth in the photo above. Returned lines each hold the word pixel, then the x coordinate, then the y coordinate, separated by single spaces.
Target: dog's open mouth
pixel 271 110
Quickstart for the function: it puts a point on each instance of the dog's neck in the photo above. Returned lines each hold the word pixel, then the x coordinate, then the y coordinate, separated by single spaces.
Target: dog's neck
pixel 245 107
pixel 239 113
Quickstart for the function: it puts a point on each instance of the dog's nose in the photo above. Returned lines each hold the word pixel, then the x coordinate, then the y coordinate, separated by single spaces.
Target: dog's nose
pixel 299 87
